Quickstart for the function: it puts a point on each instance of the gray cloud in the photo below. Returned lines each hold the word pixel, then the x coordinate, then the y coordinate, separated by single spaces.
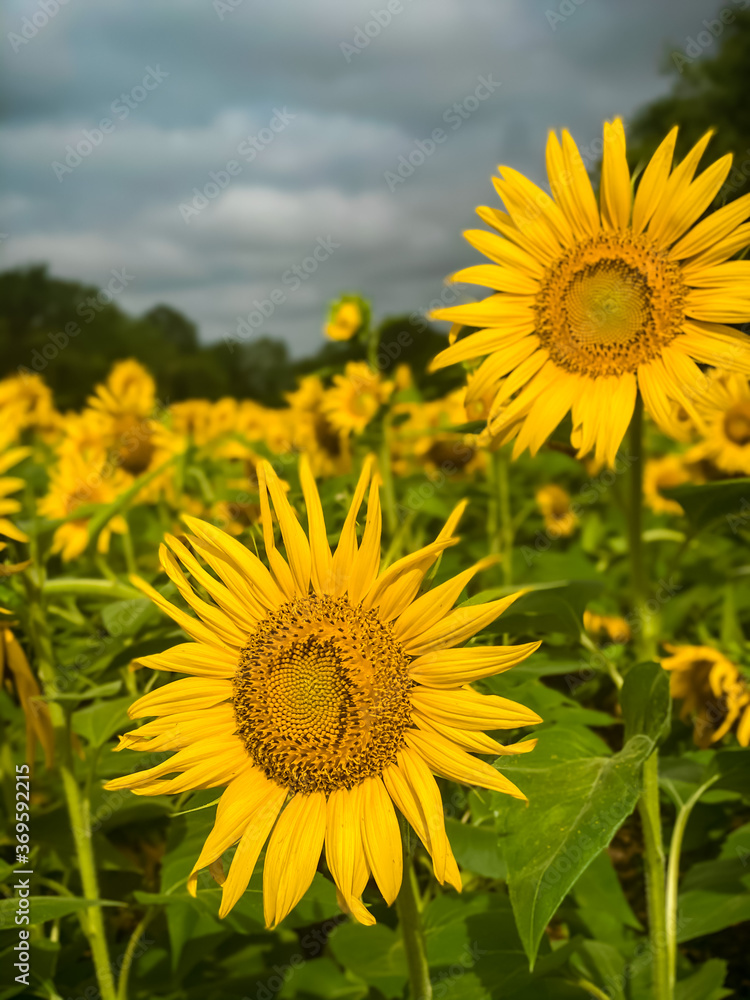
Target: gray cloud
pixel 349 113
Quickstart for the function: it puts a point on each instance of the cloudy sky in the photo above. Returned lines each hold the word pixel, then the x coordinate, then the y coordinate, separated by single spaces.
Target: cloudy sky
pixel 122 115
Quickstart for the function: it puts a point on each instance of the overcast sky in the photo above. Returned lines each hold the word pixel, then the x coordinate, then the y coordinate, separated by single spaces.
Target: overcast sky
pixel 117 110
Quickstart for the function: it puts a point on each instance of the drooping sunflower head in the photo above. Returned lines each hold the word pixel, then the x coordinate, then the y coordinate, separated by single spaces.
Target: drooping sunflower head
pixel 597 300
pixel 713 692
pixel 322 690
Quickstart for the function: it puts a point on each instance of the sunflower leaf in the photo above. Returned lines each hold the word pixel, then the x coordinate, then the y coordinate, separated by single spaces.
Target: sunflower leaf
pixel 577 802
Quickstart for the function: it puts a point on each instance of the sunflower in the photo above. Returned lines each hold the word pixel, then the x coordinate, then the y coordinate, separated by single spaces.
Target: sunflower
pixel 79 480
pixel 594 303
pixel 554 503
pixel 725 412
pixel 321 692
pixel 616 629
pixel 713 692
pixel 355 397
pixel 424 439
pixel 346 318
pixel 665 473
pixel 311 431
pixel 26 404
pixel 8 485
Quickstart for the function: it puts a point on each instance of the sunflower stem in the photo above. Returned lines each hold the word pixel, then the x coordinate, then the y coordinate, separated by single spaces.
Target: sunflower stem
pixel 673 875
pixel 410 919
pixel 500 525
pixel 127 958
pixel 78 804
pixel 649 805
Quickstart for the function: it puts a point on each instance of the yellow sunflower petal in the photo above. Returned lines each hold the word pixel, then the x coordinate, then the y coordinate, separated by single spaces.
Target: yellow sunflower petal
pixel 458 626
pixel 292 855
pixel 468 709
pixel 320 550
pixel 412 787
pixel 615 195
pixel 451 762
pixel 249 848
pixel 244 799
pixel 450 668
pixel 344 847
pixel 381 838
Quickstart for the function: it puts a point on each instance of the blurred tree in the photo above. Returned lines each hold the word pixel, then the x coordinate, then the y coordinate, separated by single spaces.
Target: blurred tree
pixel 712 70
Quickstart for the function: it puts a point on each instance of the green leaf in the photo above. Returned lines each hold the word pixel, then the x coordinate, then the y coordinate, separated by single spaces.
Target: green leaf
pixel 646 703
pixel 47 908
pixel 105 514
pixel 476 848
pixel 128 617
pixel 704 504
pixel 706 984
pixel 577 802
pixel 711 898
pixel 598 890
pixel 549 607
pixel 96 723
pixel 374 954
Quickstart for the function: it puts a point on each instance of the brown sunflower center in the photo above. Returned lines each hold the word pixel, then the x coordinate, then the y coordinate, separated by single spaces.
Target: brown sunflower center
pixel 609 304
pixel 321 695
pixel 737 423
pixel 134 443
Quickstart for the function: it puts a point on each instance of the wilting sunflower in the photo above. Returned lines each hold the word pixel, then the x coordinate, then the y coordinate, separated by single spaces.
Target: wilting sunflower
pixel 713 692
pixel 323 691
pixel 595 302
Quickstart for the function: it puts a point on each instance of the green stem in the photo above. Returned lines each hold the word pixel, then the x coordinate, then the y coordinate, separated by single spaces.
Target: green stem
pixel 386 474
pixel 78 805
pixel 410 920
pixel 111 589
pixel 673 875
pixel 649 805
pixel 507 528
pixel 646 638
pixel 653 856
pixel 129 955
pixel 127 548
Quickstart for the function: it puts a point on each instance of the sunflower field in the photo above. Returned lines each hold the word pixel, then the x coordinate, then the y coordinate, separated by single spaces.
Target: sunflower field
pixel 390 692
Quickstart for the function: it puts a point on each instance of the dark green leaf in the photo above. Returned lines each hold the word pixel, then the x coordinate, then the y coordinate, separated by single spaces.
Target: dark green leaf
pixel 577 802
pixel 46 908
pixel 706 503
pixel 646 703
